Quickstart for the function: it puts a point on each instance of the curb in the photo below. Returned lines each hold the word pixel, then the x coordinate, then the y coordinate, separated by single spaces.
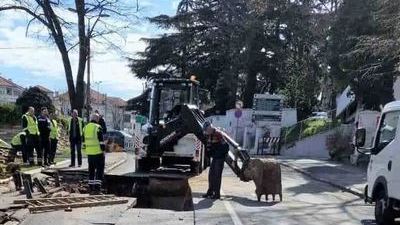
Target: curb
pixel 115 165
pixel 341 187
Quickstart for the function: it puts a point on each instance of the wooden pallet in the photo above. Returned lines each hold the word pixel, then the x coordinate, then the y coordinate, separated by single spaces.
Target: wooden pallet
pixel 46 204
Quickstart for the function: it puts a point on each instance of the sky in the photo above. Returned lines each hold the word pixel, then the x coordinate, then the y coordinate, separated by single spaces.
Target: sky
pixel 30 61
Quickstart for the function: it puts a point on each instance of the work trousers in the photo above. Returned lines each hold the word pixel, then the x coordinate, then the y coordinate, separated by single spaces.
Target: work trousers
pixel 13 153
pixel 96 171
pixel 53 150
pixel 45 148
pixel 76 145
pixel 215 176
pixel 33 143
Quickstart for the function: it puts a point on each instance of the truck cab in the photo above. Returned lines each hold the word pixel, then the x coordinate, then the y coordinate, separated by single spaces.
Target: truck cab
pixel 383 179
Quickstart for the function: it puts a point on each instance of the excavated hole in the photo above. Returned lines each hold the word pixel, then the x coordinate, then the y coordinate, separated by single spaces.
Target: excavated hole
pixel 169 194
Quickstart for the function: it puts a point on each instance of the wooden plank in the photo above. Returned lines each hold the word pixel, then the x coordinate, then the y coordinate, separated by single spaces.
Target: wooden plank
pixel 39 185
pixel 21 201
pixel 77 205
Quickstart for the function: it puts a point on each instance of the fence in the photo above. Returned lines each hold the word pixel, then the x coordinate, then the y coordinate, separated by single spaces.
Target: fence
pixel 306 128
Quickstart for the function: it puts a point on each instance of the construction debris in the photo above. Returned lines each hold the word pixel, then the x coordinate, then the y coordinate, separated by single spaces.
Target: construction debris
pixel 62 203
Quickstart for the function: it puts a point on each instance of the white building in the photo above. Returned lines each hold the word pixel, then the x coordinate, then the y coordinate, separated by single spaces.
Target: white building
pixel 9 91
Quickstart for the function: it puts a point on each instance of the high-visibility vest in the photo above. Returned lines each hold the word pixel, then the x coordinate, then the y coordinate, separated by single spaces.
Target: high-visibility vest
pixel 92 143
pixel 32 126
pixel 16 140
pixel 80 121
pixel 54 130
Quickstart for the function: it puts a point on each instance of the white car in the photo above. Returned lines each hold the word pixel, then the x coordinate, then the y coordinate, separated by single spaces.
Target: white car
pixel 383 186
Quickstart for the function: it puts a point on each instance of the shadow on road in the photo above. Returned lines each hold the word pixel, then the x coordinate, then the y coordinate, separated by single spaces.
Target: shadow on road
pixel 207 203
pixel 203 204
pixel 311 188
pixel 250 202
pixel 368 222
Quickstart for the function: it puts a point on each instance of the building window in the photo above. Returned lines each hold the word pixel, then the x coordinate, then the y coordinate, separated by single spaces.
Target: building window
pixel 2 91
pixel 17 93
pixel 9 91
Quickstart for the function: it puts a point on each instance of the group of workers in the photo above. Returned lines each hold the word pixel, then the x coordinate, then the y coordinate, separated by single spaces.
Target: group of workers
pixel 41 134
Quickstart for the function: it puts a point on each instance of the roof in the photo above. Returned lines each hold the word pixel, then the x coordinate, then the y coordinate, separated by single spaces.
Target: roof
pixel 44 89
pixel 117 101
pixel 9 83
pixel 98 98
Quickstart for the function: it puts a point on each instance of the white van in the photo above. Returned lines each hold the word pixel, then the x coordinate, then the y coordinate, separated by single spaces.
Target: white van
pixel 383 185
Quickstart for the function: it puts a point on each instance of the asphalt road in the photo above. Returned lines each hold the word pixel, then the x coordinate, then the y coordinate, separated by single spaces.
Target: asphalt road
pixel 305 202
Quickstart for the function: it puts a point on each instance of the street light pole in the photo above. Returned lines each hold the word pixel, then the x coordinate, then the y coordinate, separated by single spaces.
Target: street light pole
pixel 88 106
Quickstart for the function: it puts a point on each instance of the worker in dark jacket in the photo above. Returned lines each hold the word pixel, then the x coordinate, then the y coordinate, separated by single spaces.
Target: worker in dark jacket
pixel 217 150
pixel 18 143
pixel 44 129
pixel 30 126
pixel 75 131
pixel 94 147
pixel 102 122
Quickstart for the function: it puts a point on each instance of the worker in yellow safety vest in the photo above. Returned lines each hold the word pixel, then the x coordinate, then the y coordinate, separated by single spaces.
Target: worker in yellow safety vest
pixel 94 147
pixel 18 143
pixel 30 126
pixel 75 131
pixel 54 135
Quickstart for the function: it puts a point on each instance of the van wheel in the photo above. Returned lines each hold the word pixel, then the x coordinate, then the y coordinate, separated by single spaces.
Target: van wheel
pixel 383 210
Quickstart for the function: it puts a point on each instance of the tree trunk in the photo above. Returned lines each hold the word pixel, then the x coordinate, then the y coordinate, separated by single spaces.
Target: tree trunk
pixel 250 88
pixel 80 86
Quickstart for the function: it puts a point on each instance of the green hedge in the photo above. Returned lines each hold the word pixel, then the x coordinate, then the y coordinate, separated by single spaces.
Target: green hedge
pixel 9 114
pixel 306 128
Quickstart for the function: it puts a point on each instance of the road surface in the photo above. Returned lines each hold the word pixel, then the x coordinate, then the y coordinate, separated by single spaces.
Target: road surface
pixel 305 202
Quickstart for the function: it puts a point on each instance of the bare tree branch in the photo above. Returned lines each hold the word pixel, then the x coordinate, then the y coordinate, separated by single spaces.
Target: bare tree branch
pixel 15 7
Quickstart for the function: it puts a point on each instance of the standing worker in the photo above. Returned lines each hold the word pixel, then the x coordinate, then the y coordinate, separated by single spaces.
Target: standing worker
pixel 75 131
pixel 102 122
pixel 30 126
pixel 44 129
pixel 54 135
pixel 94 148
pixel 18 143
pixel 218 149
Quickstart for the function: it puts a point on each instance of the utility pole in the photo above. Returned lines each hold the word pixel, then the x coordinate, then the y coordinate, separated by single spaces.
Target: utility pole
pixel 88 106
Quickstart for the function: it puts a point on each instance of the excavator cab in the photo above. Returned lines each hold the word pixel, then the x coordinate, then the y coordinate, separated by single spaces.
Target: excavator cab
pixel 169 138
pixel 173 136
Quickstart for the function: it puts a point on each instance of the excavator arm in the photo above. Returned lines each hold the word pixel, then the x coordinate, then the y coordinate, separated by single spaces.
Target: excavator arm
pixel 190 120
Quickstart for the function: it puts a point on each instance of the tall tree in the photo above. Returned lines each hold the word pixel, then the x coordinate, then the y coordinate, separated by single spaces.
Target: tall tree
pixel 67 34
pixel 357 58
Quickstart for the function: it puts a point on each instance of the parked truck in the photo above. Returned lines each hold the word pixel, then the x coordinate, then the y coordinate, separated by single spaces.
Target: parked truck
pixel 383 179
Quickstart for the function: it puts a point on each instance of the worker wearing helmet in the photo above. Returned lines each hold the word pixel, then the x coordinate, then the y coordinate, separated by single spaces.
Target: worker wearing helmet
pixel 217 150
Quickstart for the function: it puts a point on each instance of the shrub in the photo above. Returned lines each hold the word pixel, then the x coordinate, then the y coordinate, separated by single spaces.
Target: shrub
pixel 306 128
pixel 10 114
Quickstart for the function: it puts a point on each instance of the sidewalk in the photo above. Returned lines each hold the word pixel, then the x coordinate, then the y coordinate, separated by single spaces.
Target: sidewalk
pixel 345 177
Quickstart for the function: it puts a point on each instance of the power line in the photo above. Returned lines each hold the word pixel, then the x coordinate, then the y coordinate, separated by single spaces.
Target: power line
pixel 21 47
